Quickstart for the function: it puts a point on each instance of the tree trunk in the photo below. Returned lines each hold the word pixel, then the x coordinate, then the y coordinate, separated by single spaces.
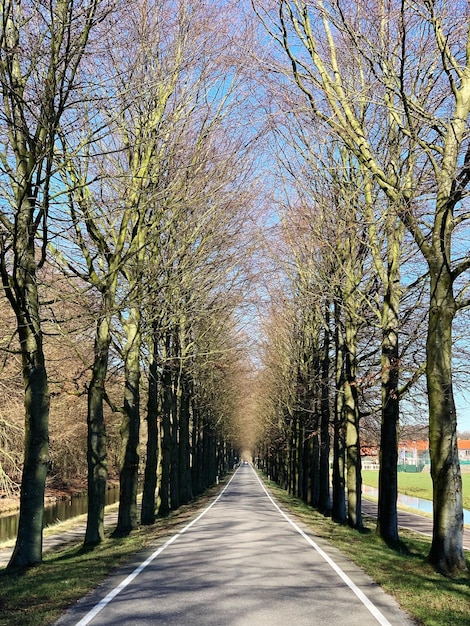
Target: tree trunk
pixel 184 442
pixel 339 443
pixel 446 552
pixel 130 429
pixel 28 547
pixel 174 449
pixel 166 442
pixel 196 468
pixel 19 276
pixel 305 465
pixel 208 455
pixel 324 500
pixel 151 462
pixel 38 68
pixel 351 407
pixel 96 440
pixel 293 454
pixel 315 467
pixel 387 519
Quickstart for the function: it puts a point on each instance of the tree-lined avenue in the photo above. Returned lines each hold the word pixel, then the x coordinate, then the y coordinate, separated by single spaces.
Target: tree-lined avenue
pixel 241 561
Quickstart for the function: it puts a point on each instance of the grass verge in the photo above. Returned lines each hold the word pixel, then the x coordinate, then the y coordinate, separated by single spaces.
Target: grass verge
pixel 37 596
pixel 428 597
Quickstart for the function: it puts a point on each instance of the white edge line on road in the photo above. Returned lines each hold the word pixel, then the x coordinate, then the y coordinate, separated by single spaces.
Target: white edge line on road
pixel 354 588
pixel 86 619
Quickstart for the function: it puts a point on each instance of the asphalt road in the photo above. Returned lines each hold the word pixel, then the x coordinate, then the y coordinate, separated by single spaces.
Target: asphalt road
pixel 241 562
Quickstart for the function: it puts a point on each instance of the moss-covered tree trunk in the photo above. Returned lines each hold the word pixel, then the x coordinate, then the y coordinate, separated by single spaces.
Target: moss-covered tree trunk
pixel 97 458
pixel 174 445
pixel 167 393
pixel 197 464
pixel 130 427
pixel 351 411
pixel 305 466
pixel 315 465
pixel 387 518
pixel 152 448
pixel 209 448
pixel 339 444
pixel 28 546
pixel 447 543
pixel 324 499
pixel 293 454
pixel 19 279
pixel 185 483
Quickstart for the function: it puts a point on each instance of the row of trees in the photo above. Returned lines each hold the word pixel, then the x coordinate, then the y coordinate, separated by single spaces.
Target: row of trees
pixel 376 97
pixel 125 179
pixel 126 219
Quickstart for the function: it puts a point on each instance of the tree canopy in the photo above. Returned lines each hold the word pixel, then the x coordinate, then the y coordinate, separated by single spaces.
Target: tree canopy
pixel 243 226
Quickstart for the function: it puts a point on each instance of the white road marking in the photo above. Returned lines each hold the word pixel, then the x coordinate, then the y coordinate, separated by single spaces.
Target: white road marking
pixel 86 619
pixel 354 588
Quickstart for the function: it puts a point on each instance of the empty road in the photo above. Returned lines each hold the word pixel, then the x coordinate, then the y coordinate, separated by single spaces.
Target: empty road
pixel 241 562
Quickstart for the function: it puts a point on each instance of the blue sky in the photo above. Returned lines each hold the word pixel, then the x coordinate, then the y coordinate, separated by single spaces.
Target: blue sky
pixel 463 412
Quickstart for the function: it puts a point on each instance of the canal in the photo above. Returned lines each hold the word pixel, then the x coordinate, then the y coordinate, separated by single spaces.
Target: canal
pixel 412 502
pixel 60 511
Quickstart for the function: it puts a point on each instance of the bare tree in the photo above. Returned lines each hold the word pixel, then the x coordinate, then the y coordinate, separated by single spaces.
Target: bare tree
pixel 418 76
pixel 42 46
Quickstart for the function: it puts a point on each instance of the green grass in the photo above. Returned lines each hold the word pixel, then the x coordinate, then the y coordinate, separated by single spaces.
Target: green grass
pixel 37 596
pixel 417 484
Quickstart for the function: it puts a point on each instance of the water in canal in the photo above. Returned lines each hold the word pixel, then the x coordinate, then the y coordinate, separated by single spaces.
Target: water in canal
pixel 58 512
pixel 412 502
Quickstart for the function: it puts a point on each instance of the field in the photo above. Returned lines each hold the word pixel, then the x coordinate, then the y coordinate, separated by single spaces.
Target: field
pixel 419 485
